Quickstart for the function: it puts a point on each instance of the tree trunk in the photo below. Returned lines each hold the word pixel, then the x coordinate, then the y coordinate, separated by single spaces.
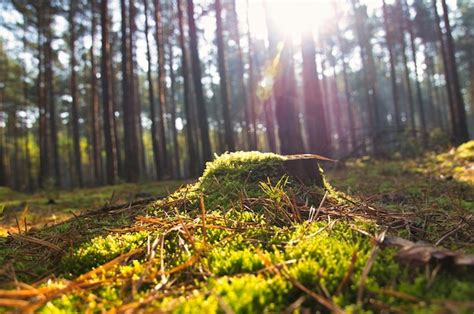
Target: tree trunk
pixel 174 131
pixel 252 83
pixel 132 165
pixel 108 113
pixel 151 97
pixel 196 70
pixel 49 86
pixel 224 84
pixel 444 54
pixel 289 129
pixel 349 104
pixel 244 97
pixel 160 41
pixel 75 105
pixel 44 169
pixel 193 157
pixel 393 75
pixel 315 117
pixel 3 170
pixel 459 109
pixel 95 110
pixel 370 89
pixel 419 97
pixel 411 106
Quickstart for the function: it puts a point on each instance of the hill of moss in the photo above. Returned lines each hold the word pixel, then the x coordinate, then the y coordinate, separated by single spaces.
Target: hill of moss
pixel 247 237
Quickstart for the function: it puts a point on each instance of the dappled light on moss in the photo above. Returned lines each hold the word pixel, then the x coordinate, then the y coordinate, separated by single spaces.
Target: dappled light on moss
pixel 249 238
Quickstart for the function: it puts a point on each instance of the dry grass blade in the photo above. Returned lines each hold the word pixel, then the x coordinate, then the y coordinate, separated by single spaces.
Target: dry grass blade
pixel 30 239
pixel 13 303
pixel 368 265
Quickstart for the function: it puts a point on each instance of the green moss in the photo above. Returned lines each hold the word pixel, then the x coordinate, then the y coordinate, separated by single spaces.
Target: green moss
pixel 100 250
pixel 466 151
pixel 235 258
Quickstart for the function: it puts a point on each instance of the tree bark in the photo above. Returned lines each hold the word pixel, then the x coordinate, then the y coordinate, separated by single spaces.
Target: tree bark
pixel 49 86
pixel 196 71
pixel 174 131
pixel 75 105
pixel 252 83
pixel 315 116
pixel 108 113
pixel 459 110
pixel 132 166
pixel 419 96
pixel 224 84
pixel 151 99
pixel 193 157
pixel 95 110
pixel 393 74
pixel 289 129
pixel 160 42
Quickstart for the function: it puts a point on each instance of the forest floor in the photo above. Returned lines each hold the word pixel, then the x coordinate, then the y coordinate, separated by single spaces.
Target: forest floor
pixel 376 236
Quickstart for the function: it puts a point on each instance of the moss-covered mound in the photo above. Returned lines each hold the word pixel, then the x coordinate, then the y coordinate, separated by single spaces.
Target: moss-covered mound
pixel 248 237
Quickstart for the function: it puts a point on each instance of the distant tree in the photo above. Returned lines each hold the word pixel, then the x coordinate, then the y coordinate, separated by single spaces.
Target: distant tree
pixel 160 42
pixel 95 110
pixel 193 158
pixel 196 71
pixel 409 27
pixel 151 98
pixel 224 83
pixel 459 110
pixel 289 128
pixel 107 105
pixel 130 126
pixel 74 95
pixel 49 92
pixel 393 75
pixel 315 121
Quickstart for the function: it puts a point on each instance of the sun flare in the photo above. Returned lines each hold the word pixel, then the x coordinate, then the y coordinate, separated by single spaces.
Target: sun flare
pixel 292 17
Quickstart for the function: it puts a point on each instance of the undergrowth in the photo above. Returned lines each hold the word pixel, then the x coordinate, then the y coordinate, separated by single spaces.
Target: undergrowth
pixel 245 238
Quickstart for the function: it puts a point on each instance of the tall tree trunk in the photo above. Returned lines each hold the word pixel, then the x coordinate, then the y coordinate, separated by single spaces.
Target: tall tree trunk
pixel 419 97
pixel 434 110
pixel 44 166
pixel 244 103
pixel 349 103
pixel 130 126
pixel 49 86
pixel 160 42
pixel 95 110
pixel 371 106
pixel 75 105
pixel 444 55
pixel 174 131
pixel 459 110
pixel 289 129
pixel 3 170
pixel 196 70
pixel 393 74
pixel 252 83
pixel 151 97
pixel 224 84
pixel 26 148
pixel 338 114
pixel 411 106
pixel 315 117
pixel 193 154
pixel 107 105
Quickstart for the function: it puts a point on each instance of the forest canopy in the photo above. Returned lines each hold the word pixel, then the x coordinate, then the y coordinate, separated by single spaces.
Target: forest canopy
pixel 98 92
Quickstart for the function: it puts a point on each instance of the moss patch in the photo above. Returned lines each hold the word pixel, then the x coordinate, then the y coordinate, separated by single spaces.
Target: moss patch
pixel 248 238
